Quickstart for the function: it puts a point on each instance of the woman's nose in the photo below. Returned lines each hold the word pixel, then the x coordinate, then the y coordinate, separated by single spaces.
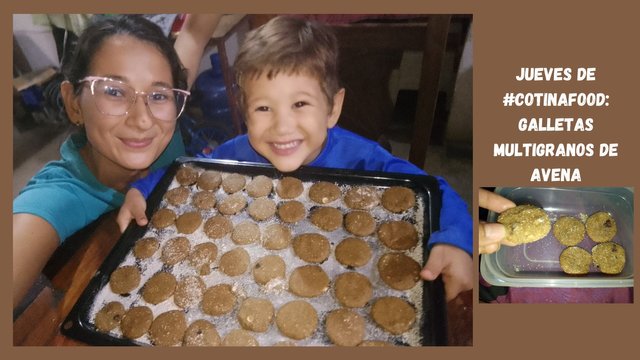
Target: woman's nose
pixel 140 115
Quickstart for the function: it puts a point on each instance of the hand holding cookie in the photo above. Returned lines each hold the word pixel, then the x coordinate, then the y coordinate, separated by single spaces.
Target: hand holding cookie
pixel 492 235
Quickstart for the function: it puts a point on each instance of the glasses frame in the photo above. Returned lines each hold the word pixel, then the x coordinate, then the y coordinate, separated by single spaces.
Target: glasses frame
pixel 92 81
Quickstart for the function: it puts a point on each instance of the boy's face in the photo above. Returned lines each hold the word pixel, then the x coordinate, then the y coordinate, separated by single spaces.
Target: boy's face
pixel 288 118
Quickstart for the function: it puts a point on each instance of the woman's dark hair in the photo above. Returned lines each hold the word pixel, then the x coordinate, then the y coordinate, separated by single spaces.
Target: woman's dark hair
pixel 104 27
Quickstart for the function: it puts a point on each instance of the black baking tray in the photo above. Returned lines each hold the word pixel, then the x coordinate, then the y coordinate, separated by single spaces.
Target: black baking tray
pixel 77 324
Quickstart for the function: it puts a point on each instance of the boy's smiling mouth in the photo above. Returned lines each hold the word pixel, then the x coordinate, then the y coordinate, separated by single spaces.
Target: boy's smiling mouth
pixel 285 148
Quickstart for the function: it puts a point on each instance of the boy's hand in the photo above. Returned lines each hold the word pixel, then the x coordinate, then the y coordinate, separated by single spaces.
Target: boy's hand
pixel 134 207
pixel 455 265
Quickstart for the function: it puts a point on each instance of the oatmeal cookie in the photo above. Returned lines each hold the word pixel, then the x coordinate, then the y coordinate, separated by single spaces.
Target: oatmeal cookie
pixel 289 187
pixel 393 314
pixel 568 230
pixel 609 257
pixel 601 227
pixel 124 279
pixel 575 260
pixel 525 224
pixel 398 199
pixel 297 319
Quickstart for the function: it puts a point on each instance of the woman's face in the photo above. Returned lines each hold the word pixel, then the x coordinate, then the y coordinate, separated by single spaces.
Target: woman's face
pixel 135 140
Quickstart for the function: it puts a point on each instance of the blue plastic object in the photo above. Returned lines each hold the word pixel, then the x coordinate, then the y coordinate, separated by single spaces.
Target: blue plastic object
pixel 210 95
pixel 212 92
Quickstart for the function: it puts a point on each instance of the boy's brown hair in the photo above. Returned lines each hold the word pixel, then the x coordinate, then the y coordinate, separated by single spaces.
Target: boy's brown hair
pixel 289 45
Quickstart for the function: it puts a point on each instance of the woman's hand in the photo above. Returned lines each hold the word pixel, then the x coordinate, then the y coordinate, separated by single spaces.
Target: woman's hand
pixel 492 235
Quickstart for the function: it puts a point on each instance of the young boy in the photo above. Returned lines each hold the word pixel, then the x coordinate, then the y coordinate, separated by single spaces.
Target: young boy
pixel 287 74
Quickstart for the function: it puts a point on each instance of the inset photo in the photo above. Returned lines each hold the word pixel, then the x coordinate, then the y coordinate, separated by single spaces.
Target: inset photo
pixel 556 245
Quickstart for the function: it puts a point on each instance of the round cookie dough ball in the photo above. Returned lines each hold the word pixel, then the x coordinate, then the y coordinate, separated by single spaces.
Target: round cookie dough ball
pixel 308 281
pixel 209 180
pixel 136 322
pixel 568 230
pixel 361 197
pixel 218 300
pixel 393 314
pixel 175 250
pixel 204 200
pixel 398 199
pixel 344 327
pixel 276 237
pixel 255 314
pixel 177 196
pixel 218 227
pixel 239 337
pixel 168 328
pixel 189 291
pixel 297 319
pixel 267 268
pixel 360 223
pixel 124 279
pixel 188 222
pixel 233 183
pixel 601 227
pixel 159 287
pixel 145 248
pixel 609 257
pixel 326 218
pixel 201 333
pixel 324 192
pixel 525 224
pixel 235 262
pixel 352 289
pixel 311 247
pixel 575 260
pixel 353 252
pixel 202 256
pixel 109 317
pixel 163 218
pixel 259 186
pixel 399 271
pixel 291 211
pixel 245 233
pixel 232 204
pixel 262 209
pixel 186 175
pixel 289 187
pixel 398 235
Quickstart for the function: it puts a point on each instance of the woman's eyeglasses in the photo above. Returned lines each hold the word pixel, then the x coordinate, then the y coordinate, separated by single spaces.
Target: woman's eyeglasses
pixel 115 98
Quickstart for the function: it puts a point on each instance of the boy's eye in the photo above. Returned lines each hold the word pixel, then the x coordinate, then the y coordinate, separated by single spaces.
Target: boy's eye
pixel 300 104
pixel 262 108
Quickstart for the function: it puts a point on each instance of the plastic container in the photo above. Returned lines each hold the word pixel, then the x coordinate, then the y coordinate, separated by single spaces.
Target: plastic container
pixel 537 264
pixel 212 91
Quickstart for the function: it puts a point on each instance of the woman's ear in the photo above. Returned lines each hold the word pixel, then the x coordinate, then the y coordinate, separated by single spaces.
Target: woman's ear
pixel 338 100
pixel 71 103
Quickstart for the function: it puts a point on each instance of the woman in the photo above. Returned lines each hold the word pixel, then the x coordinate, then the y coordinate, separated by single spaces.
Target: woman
pixel 125 90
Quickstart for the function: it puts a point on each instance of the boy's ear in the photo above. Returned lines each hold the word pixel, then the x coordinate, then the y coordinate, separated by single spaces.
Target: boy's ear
pixel 338 100
pixel 71 104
